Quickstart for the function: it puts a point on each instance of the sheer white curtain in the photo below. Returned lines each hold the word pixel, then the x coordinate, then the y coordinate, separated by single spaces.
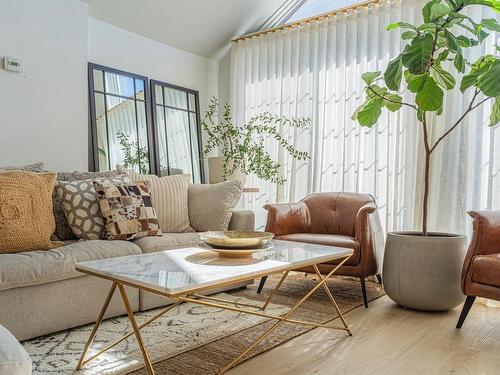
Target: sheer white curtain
pixel 314 71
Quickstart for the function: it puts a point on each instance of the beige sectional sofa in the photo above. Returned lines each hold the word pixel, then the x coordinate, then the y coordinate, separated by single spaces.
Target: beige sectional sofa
pixel 41 293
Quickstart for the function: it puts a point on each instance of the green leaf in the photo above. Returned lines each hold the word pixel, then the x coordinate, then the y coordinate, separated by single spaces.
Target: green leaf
pixel 408 35
pixel 404 25
pixel 393 74
pixel 430 96
pixel 420 115
pixel 442 77
pixel 369 77
pixel 481 66
pixel 426 10
pixel 451 41
pixel 393 103
pixel 418 54
pixel 442 56
pixel 459 62
pixel 374 90
pixel 438 10
pixel 491 24
pixel 489 82
pixel 495 112
pixel 369 112
pixel 415 83
pixel 463 41
pixel 427 27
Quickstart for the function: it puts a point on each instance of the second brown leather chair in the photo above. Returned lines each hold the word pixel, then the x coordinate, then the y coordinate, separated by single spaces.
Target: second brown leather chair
pixel 481 271
pixel 333 219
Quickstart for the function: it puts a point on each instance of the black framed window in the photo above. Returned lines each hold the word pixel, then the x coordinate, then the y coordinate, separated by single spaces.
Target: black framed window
pixel 176 119
pixel 120 122
pixel 148 131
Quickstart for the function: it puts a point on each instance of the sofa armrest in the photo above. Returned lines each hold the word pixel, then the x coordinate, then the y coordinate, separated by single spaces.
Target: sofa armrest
pixel 287 218
pixel 242 220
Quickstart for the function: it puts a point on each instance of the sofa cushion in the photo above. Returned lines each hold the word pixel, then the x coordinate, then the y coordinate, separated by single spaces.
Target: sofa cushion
pixel 39 267
pixel 127 210
pixel 81 206
pixel 328 240
pixel 167 241
pixel 211 205
pixel 170 199
pixel 13 357
pixel 485 269
pixel 26 219
pixel 63 230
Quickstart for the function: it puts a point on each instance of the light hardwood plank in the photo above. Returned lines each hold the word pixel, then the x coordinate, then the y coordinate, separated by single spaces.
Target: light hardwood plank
pixel 391 340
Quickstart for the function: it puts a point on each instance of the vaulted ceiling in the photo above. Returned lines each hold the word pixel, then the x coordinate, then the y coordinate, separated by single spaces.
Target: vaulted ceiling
pixel 198 26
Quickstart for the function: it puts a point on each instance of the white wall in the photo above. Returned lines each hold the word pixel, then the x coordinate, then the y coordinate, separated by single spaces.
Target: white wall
pixel 43 110
pixel 121 49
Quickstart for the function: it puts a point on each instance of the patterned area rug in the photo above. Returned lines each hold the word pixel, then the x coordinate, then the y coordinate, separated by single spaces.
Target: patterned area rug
pixel 193 339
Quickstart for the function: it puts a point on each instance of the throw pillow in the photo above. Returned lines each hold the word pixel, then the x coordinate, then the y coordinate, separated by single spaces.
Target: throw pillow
pixel 211 205
pixel 63 230
pixel 170 199
pixel 26 219
pixel 35 167
pixel 127 211
pixel 81 207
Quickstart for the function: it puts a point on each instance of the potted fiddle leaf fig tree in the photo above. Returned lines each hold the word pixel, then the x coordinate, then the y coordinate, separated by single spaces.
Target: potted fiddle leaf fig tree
pixel 243 146
pixel 422 268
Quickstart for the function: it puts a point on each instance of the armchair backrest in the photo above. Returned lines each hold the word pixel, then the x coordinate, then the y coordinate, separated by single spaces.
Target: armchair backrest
pixel 335 213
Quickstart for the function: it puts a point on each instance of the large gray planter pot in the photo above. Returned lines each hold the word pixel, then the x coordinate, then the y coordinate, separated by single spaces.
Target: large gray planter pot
pixel 423 273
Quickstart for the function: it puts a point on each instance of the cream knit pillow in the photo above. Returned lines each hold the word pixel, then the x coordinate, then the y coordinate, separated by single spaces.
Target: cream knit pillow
pixel 169 195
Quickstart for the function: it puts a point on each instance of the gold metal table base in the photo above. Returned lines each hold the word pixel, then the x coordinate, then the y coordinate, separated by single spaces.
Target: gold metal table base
pixel 217 303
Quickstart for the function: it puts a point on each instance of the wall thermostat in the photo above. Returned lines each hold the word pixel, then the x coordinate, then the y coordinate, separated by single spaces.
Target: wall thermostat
pixel 12 64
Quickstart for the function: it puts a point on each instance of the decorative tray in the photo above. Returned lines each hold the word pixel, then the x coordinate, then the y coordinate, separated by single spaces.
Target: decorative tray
pixel 235 253
pixel 234 239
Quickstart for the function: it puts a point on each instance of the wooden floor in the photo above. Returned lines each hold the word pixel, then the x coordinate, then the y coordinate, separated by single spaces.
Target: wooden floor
pixel 388 339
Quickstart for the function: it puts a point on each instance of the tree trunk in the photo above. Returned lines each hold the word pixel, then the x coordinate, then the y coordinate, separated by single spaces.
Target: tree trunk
pixel 426 192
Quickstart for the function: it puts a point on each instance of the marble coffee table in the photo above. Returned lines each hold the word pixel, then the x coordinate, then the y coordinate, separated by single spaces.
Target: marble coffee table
pixel 183 273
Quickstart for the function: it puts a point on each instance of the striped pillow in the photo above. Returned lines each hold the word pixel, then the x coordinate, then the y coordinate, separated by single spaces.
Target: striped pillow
pixel 169 195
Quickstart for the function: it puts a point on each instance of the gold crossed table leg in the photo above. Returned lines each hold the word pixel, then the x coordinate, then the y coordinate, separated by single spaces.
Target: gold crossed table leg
pixel 218 303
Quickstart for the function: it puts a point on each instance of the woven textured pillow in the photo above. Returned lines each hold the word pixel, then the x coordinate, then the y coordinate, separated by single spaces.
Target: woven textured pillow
pixel 63 230
pixel 79 200
pixel 26 219
pixel 35 167
pixel 127 211
pixel 170 199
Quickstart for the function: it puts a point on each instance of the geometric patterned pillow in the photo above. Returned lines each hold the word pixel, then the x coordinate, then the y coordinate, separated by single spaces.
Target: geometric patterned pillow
pixel 63 230
pixel 127 210
pixel 79 200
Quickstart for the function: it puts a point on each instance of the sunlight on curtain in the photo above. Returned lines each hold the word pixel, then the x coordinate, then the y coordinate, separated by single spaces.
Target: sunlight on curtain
pixel 315 71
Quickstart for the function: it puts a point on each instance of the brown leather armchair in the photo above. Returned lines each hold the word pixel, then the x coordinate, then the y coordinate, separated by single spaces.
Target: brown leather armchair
pixel 334 219
pixel 481 271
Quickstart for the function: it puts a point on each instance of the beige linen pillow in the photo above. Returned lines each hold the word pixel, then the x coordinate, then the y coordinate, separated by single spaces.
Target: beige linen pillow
pixel 211 205
pixel 170 199
pixel 26 218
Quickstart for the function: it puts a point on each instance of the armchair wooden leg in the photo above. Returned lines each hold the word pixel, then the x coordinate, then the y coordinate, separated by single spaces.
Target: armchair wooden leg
pixel 363 289
pixel 261 284
pixel 465 310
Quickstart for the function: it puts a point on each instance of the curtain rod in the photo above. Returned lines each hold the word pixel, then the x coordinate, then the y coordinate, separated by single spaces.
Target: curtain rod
pixel 292 25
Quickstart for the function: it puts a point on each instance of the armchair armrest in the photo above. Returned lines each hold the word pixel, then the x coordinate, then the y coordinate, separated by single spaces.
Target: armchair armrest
pixel 368 231
pixel 242 220
pixel 287 218
pixel 486 232
pixel 485 240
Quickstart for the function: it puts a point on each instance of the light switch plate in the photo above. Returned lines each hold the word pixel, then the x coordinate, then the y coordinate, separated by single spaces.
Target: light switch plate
pixel 12 64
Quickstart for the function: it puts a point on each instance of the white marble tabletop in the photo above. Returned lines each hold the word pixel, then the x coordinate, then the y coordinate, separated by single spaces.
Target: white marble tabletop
pixel 187 270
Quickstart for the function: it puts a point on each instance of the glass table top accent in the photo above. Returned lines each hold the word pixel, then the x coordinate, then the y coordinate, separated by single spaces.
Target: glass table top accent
pixel 182 271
